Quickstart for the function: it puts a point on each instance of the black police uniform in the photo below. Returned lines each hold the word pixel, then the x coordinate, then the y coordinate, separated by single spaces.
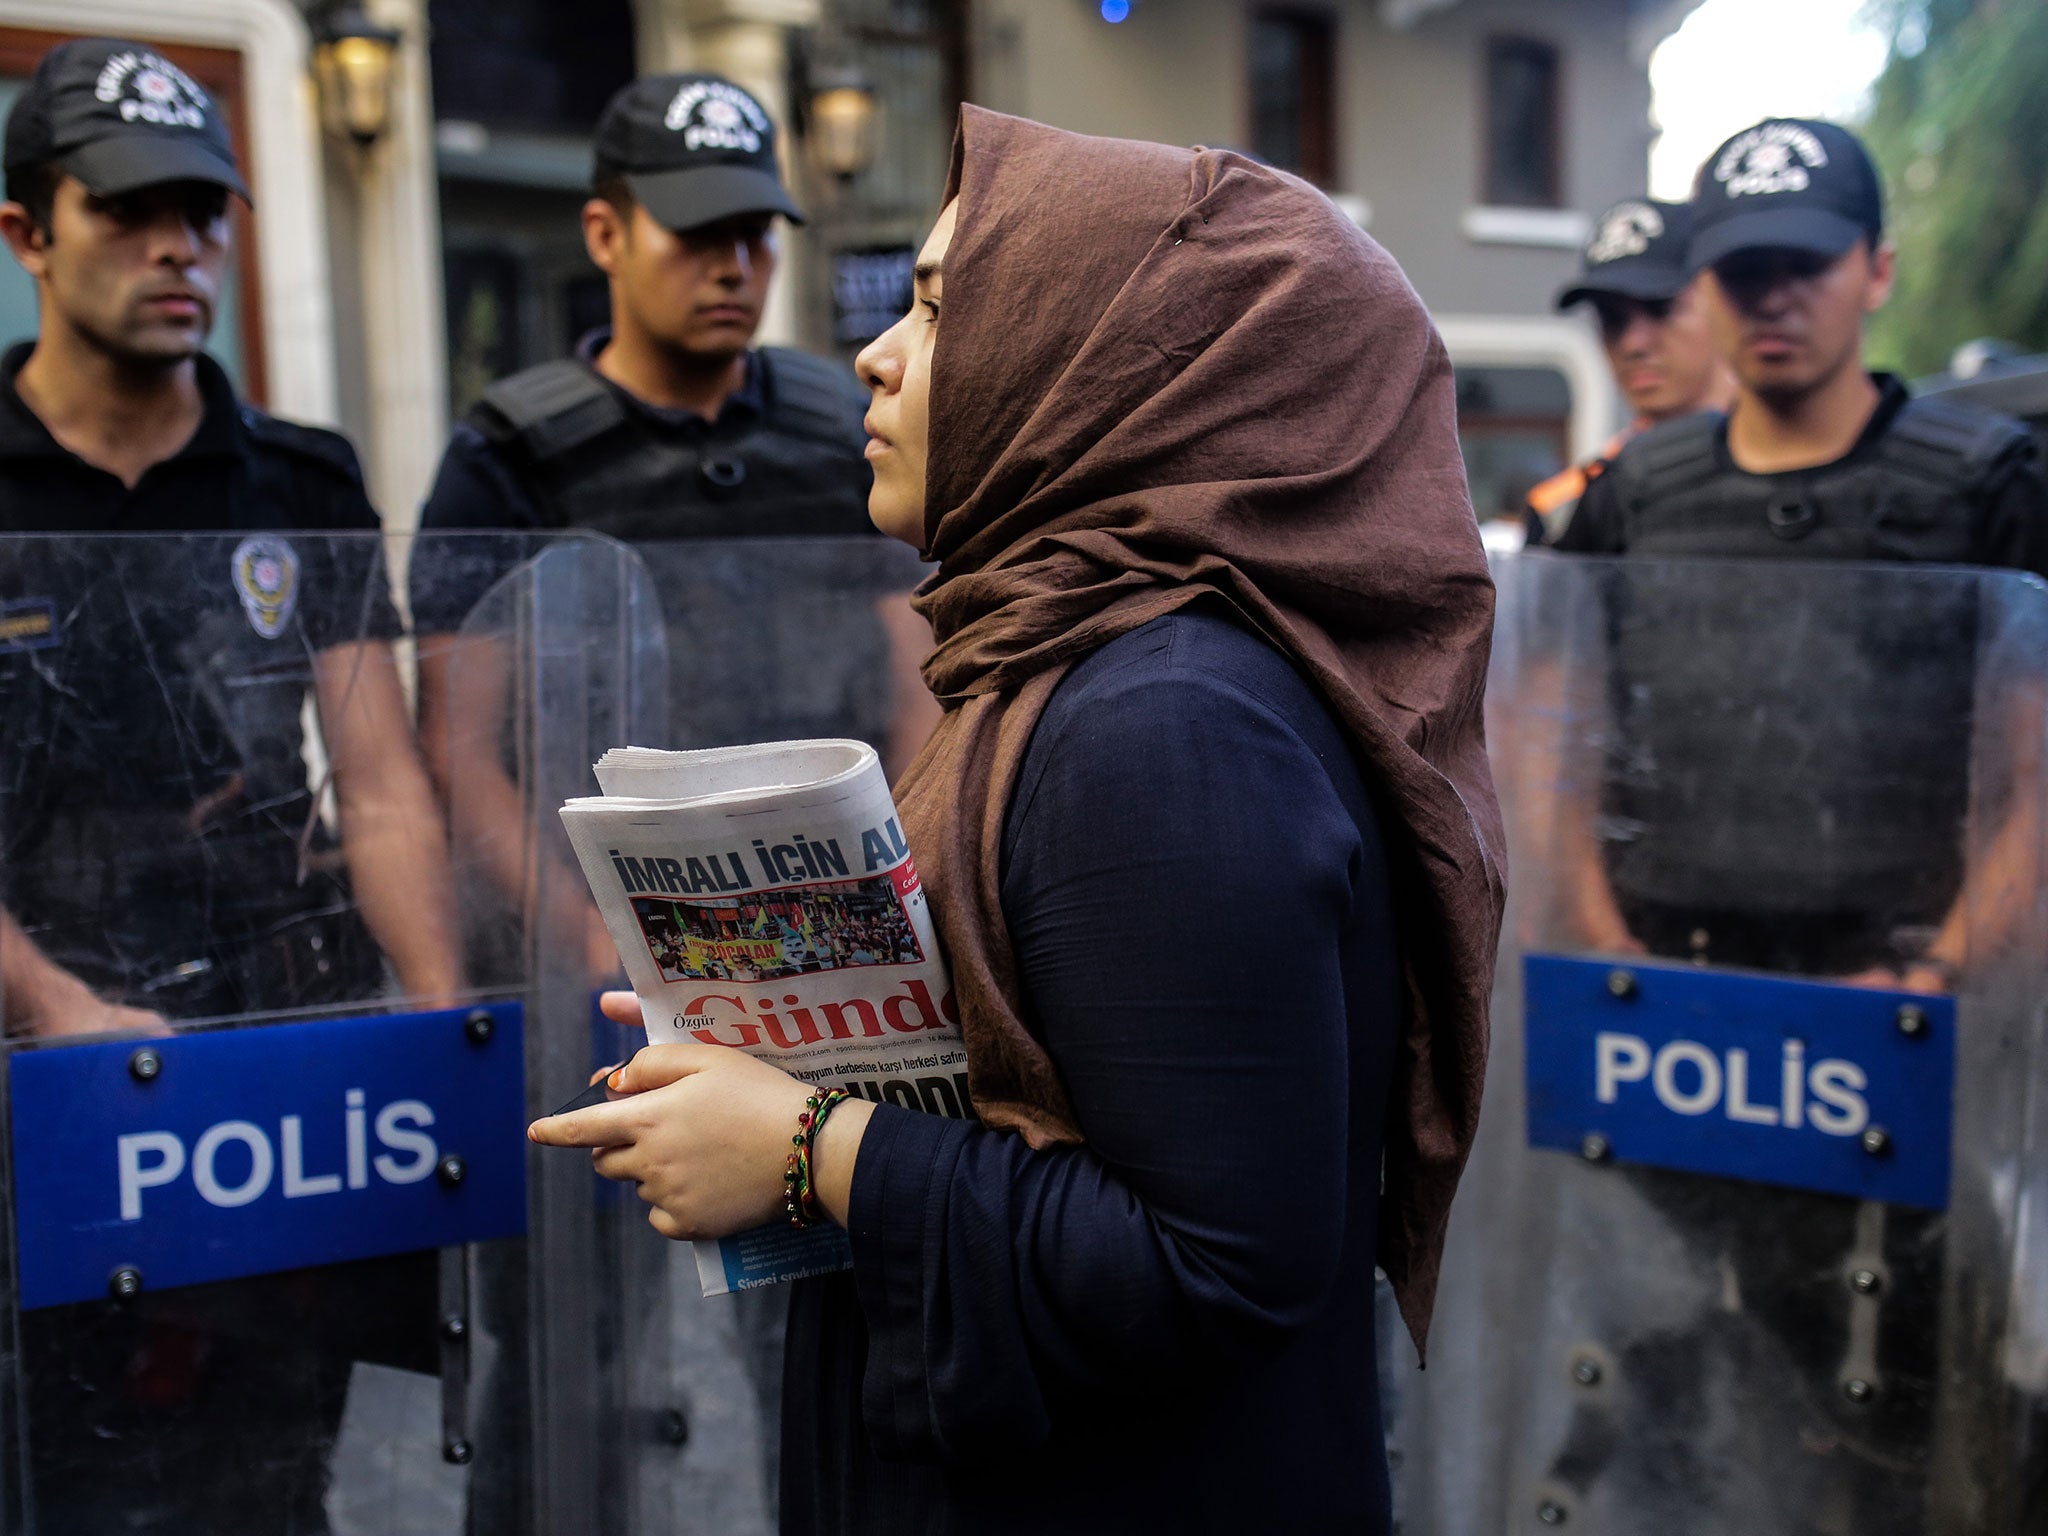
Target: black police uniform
pixel 560 446
pixel 1927 479
pixel 159 839
pixel 157 832
pixel 1818 870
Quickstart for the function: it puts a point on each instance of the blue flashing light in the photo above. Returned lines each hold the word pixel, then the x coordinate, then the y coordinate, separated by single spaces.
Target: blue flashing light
pixel 1114 11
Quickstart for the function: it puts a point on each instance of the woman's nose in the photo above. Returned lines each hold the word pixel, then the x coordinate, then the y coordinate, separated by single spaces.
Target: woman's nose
pixel 880 364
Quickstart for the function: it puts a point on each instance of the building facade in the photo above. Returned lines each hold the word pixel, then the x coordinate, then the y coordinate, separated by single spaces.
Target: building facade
pixel 1472 138
pixel 383 285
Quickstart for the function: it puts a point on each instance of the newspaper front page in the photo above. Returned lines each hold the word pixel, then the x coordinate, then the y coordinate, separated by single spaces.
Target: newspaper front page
pixel 763 897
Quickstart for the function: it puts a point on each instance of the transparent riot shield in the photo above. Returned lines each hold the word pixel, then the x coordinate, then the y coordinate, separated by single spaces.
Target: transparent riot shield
pixel 1750 1239
pixel 536 655
pixel 785 639
pixel 268 1195
pixel 768 639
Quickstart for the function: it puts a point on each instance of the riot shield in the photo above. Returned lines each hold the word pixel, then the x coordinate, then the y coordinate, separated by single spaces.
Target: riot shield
pixel 1748 1241
pixel 764 639
pixel 787 639
pixel 273 1216
pixel 557 659
pixel 769 639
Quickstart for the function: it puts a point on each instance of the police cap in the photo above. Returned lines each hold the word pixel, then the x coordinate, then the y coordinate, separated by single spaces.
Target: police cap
pixel 119 116
pixel 694 148
pixel 1786 184
pixel 1637 251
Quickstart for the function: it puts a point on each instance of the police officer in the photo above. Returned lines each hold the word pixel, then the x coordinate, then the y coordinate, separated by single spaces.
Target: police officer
pixel 1818 458
pixel 114 420
pixel 1653 327
pixel 1785 790
pixel 1788 236
pixel 669 424
pixel 163 853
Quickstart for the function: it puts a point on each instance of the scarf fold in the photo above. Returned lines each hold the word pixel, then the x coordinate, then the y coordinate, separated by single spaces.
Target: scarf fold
pixel 1163 374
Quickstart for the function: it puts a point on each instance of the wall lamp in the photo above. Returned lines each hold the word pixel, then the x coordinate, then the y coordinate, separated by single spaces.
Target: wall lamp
pixel 353 60
pixel 842 117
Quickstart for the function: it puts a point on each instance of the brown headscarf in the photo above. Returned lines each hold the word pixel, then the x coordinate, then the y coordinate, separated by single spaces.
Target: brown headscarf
pixel 1166 373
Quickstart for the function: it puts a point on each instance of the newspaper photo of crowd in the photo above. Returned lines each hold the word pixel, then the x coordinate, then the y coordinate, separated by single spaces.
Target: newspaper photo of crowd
pixel 780 933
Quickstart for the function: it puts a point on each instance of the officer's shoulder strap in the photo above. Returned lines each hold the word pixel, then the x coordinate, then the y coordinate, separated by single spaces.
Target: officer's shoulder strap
pixel 1672 456
pixel 548 409
pixel 1949 443
pixel 813 396
pixel 328 449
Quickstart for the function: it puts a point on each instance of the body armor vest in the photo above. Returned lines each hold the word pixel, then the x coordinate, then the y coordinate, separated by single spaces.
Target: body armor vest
pixel 1844 789
pixel 1909 497
pixel 590 461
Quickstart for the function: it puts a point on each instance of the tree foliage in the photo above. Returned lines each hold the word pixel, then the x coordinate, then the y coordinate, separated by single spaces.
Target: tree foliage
pixel 1959 123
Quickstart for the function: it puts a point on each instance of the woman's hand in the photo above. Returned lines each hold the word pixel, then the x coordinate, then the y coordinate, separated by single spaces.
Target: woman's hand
pixel 703 1130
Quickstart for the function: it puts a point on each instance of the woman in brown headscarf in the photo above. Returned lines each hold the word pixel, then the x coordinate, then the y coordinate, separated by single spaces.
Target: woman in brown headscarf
pixel 1209 837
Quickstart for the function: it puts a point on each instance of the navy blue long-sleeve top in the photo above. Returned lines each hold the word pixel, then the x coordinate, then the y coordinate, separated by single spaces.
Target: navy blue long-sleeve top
pixel 1169 1327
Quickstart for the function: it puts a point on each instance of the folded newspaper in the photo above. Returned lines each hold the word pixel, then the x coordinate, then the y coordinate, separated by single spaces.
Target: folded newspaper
pixel 763 897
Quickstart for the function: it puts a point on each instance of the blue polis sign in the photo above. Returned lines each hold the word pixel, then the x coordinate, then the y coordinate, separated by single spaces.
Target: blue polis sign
pixel 1845 1090
pixel 218 1154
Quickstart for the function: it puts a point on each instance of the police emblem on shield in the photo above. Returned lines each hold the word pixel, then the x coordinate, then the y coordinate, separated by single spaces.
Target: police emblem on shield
pixel 266 571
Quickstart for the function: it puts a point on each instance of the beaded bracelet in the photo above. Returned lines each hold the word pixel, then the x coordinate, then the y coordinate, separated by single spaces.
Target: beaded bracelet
pixel 797 1196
